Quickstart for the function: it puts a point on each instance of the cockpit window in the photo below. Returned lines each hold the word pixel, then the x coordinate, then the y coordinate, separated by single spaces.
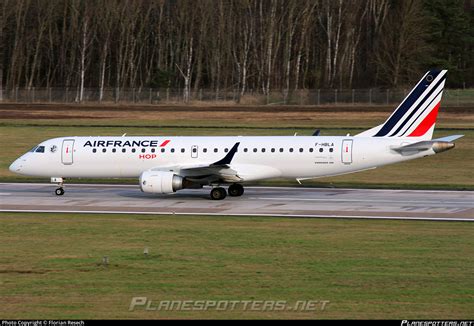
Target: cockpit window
pixel 40 149
pixel 33 149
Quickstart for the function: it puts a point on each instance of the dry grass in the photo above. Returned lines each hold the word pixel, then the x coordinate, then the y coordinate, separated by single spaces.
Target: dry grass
pixel 243 115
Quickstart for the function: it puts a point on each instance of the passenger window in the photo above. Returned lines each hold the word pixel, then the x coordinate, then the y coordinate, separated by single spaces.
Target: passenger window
pixel 104 150
pixel 143 150
pixel 263 150
pixel 114 150
pixel 172 150
pixel 226 150
pixel 194 150
pixel 321 150
pixel 152 150
pixel 255 150
pixel 204 150
pixel 311 149
pixel 331 150
pixel 291 150
pixel 40 149
pixel 94 150
pixel 162 150
pixel 281 150
pixel 182 150
pixel 246 150
pixel 273 150
pixel 124 150
pixel 301 150
pixel 215 150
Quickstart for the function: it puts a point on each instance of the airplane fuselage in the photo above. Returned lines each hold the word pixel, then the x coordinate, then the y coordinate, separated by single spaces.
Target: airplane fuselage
pixel 256 158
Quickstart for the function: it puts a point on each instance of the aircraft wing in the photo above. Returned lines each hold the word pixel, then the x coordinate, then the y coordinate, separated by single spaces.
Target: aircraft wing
pixel 205 173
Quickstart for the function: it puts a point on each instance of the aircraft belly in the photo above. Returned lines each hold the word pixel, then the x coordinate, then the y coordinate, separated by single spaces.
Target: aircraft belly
pixel 252 172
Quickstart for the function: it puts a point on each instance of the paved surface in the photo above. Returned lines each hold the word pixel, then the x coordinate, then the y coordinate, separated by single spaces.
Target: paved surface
pixel 257 201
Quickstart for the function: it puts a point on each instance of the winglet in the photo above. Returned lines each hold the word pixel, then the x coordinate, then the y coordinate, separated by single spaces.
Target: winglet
pixel 228 158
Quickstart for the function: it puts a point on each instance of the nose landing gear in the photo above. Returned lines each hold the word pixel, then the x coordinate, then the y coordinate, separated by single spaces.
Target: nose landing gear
pixel 60 182
pixel 59 191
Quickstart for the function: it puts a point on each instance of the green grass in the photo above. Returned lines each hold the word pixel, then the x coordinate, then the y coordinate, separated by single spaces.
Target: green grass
pixel 450 170
pixel 50 266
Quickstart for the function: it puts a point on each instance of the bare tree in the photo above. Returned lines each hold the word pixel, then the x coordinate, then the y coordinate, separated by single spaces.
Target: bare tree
pixel 402 47
pixel 239 45
pixel 104 32
pixel 5 12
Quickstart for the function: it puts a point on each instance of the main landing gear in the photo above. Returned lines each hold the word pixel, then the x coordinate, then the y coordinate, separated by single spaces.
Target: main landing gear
pixel 60 182
pixel 236 190
pixel 219 193
pixel 59 191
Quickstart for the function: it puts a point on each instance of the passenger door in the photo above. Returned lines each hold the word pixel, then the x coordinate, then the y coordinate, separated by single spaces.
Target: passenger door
pixel 346 154
pixel 67 153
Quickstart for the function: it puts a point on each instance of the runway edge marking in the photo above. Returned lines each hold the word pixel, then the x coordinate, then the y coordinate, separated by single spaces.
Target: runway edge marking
pixel 406 218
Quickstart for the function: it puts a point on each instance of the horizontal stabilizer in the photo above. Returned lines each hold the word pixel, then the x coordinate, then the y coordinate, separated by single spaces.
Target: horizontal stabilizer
pixel 449 138
pixel 437 145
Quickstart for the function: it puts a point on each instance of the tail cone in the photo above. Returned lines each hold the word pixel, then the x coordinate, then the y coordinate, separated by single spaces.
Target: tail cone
pixel 442 146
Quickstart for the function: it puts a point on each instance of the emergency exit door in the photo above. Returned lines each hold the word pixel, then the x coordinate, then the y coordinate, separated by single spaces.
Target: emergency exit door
pixel 67 153
pixel 347 151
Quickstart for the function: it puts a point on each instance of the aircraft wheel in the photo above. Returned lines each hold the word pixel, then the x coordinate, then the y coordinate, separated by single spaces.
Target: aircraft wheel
pixel 218 193
pixel 59 191
pixel 236 190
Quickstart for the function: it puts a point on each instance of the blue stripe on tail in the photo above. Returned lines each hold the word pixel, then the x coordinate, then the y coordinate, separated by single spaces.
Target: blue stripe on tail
pixel 418 106
pixel 408 103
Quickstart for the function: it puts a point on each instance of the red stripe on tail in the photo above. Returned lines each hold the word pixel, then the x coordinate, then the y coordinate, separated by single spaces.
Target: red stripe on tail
pixel 426 124
pixel 164 143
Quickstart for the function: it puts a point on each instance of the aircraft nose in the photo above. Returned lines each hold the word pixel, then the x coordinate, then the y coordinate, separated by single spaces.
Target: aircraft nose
pixel 15 166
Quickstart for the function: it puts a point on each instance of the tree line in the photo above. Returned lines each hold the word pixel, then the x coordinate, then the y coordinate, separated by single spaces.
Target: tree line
pixel 233 44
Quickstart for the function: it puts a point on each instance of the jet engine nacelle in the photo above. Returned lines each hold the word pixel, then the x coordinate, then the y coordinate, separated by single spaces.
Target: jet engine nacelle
pixel 159 182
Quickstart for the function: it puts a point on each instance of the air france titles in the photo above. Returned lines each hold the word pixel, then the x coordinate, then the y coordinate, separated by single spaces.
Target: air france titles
pixel 120 143
pixel 125 144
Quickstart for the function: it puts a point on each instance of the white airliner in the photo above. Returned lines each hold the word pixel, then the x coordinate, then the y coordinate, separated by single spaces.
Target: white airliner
pixel 167 164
